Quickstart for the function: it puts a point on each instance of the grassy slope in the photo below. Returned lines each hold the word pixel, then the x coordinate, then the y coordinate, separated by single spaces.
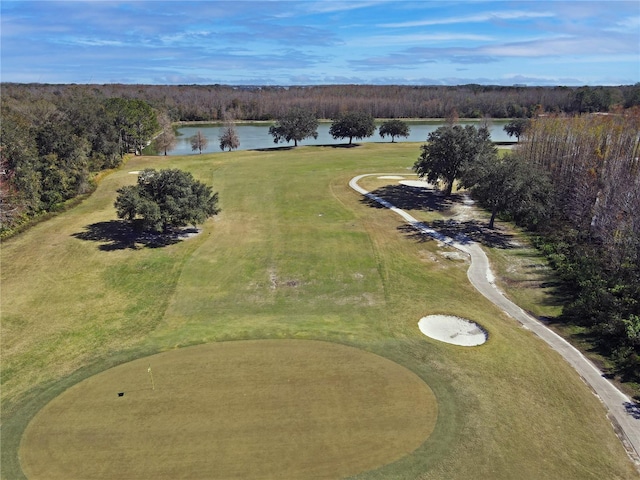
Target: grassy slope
pixel 296 254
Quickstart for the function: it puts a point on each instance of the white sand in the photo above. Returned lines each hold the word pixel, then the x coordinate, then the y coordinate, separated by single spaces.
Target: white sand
pixel 136 172
pixel 416 183
pixel 454 330
pixel 391 177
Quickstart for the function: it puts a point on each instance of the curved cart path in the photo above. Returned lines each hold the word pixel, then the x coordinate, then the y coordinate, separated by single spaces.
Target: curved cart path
pixel 621 410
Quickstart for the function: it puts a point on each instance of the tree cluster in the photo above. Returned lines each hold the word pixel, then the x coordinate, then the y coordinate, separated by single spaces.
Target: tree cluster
pixel 505 185
pixel 298 124
pixel 50 146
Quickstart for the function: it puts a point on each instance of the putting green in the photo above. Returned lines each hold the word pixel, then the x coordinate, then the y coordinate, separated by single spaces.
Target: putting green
pixel 246 409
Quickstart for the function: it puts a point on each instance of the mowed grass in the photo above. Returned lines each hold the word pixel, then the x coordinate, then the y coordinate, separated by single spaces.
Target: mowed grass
pixel 204 412
pixel 295 254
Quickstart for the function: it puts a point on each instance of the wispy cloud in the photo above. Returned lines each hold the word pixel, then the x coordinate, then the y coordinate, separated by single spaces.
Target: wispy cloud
pixel 419 38
pixel 343 6
pixel 478 18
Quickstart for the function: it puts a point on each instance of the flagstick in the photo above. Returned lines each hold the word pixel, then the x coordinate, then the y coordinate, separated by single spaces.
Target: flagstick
pixel 153 385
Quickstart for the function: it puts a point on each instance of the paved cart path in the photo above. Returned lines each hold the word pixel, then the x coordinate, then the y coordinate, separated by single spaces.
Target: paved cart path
pixel 621 410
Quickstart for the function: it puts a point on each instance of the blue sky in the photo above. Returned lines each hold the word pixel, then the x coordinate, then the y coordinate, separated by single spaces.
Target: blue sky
pixel 309 42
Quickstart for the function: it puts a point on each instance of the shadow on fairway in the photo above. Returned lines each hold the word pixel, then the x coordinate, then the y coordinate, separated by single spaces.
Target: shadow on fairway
pixel 412 198
pixel 119 235
pixel 273 149
pixel 463 232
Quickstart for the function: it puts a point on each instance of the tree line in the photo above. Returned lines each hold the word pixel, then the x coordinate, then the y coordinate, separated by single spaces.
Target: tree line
pixel 220 102
pixel 593 238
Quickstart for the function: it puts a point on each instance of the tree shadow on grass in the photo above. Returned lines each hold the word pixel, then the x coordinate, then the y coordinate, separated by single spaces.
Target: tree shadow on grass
pixel 424 199
pixel 120 235
pixel 476 231
pixel 413 198
pixel 274 149
pixel 471 231
pixel 342 145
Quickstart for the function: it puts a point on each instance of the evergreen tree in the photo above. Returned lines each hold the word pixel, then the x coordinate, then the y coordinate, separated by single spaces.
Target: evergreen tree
pixel 394 128
pixel 352 125
pixel 451 149
pixel 297 124
pixel 166 199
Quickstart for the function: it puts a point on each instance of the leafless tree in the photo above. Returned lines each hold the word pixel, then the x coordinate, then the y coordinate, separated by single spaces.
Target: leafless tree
pixel 199 142
pixel 229 137
pixel 166 141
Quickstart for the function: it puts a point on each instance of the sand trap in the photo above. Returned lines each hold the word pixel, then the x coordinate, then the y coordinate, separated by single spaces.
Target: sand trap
pixel 450 329
pixel 391 177
pixel 136 172
pixel 416 183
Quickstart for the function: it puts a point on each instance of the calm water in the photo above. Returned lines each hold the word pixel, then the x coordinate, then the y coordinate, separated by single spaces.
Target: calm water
pixel 254 137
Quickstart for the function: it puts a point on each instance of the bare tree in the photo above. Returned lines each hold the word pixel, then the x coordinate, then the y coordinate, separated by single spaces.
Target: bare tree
pixel 199 142
pixel 166 141
pixel 229 137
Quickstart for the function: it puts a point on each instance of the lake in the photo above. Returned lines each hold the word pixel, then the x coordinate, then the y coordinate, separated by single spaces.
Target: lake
pixel 256 136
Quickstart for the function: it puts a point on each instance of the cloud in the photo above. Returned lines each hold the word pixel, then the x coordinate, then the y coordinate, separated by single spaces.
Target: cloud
pixel 626 25
pixel 550 48
pixel 565 45
pixel 478 18
pixel 421 55
pixel 344 6
pixel 413 39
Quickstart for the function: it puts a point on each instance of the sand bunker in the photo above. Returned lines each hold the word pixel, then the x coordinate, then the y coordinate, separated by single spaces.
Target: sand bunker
pixel 455 330
pixel 391 177
pixel 416 183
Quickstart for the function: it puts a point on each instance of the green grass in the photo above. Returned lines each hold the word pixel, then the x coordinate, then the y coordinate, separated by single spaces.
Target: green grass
pixel 205 412
pixel 295 254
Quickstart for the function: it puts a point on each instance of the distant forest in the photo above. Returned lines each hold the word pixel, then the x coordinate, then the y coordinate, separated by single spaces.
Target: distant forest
pixel 217 102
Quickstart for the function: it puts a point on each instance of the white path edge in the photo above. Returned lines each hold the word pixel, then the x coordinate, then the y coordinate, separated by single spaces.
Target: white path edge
pixel 620 408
